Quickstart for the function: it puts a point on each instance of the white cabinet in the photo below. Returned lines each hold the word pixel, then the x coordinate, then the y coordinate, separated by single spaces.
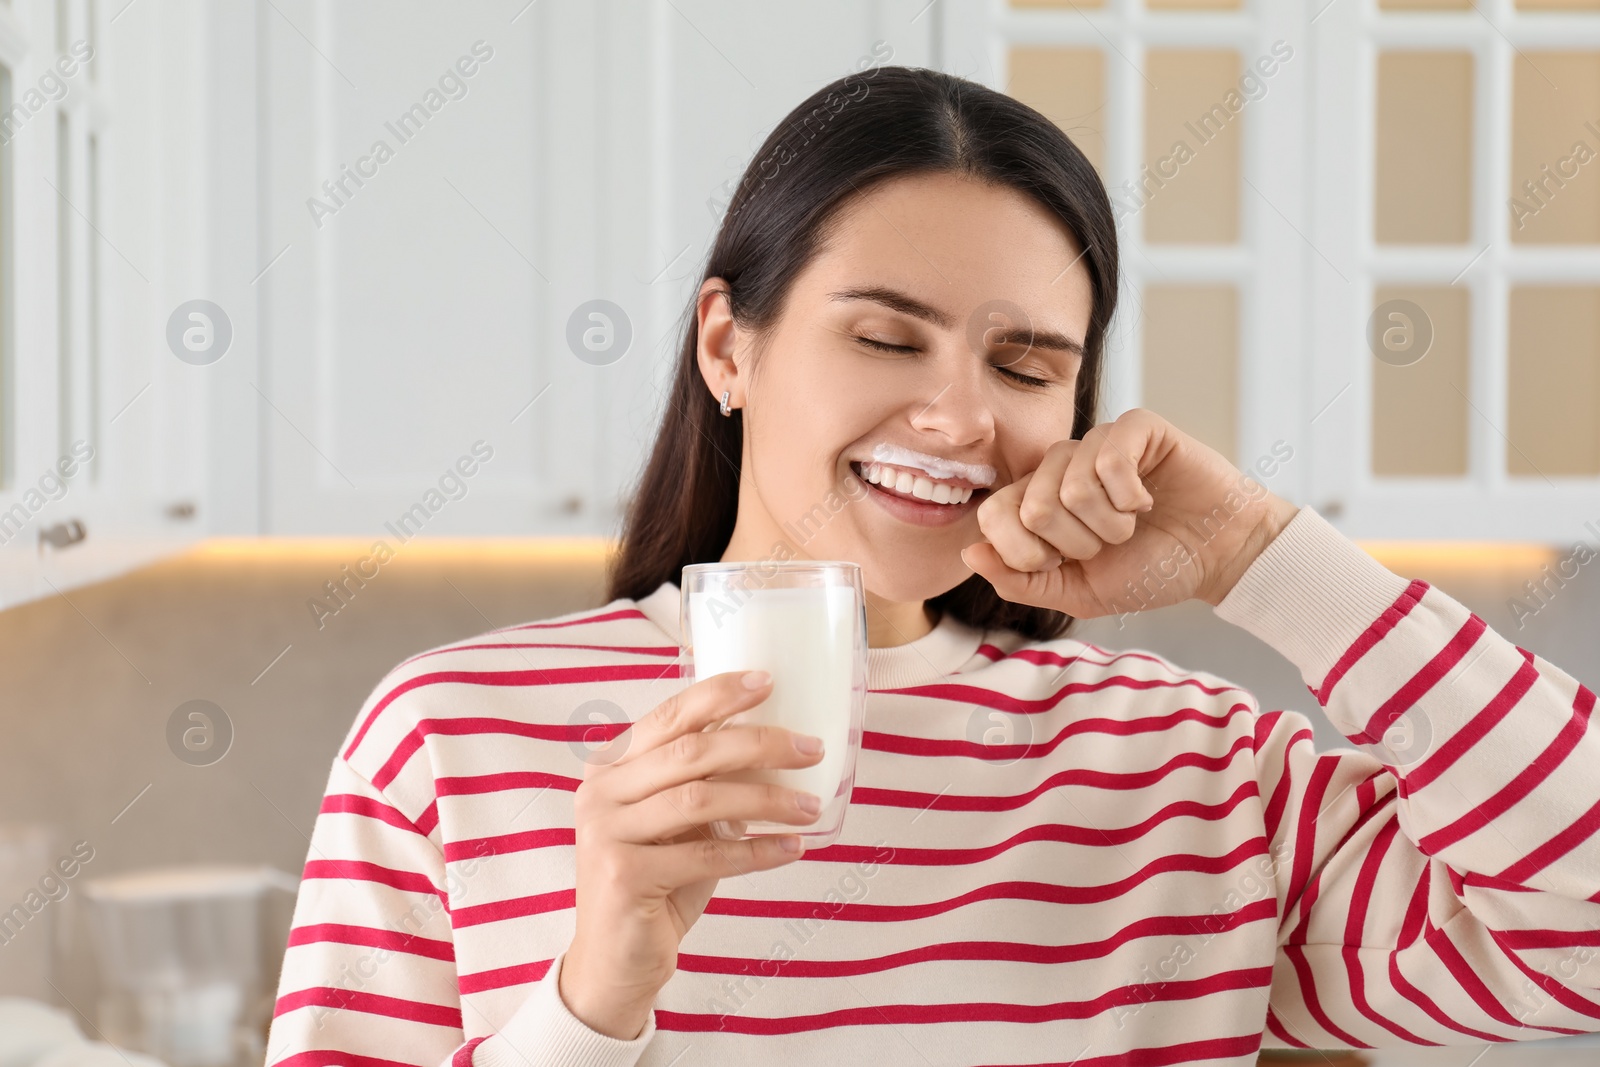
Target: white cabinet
pixel 447 189
pixel 101 430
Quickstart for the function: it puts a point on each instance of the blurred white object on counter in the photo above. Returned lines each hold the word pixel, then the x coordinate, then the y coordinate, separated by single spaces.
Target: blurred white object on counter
pixel 29 1029
pixel 181 954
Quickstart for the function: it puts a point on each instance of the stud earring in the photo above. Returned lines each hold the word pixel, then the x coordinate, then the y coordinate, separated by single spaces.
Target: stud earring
pixel 723 406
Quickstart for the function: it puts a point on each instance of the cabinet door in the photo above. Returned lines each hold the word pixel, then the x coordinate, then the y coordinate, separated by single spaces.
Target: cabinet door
pixel 100 427
pixel 1457 370
pixel 440 240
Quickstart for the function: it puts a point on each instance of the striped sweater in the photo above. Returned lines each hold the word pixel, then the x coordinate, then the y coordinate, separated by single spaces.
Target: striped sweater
pixel 1054 853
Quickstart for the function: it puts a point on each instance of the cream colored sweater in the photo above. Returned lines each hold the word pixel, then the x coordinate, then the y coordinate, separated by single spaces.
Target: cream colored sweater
pixel 1054 853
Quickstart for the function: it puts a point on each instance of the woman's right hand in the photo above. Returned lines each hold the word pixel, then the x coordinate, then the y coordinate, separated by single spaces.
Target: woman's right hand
pixel 647 858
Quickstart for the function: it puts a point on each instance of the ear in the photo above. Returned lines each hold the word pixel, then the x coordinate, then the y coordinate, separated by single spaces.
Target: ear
pixel 716 341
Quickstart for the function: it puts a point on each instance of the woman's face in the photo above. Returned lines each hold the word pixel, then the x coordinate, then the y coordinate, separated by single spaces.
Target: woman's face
pixel 951 273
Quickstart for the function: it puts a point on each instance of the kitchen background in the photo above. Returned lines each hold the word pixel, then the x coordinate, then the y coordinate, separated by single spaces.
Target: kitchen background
pixel 240 343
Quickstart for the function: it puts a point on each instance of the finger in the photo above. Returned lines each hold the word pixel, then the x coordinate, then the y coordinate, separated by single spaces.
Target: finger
pixel 701 803
pixel 1127 443
pixel 1001 523
pixel 1041 511
pixel 689 711
pixel 674 866
pixel 688 757
pixel 1063 588
pixel 1083 495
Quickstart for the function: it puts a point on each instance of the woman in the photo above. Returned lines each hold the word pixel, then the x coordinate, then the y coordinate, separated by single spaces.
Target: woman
pixel 912 286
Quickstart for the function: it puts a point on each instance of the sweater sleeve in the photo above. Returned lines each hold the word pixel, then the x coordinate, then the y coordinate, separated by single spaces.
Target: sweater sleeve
pixel 1438 882
pixel 369 976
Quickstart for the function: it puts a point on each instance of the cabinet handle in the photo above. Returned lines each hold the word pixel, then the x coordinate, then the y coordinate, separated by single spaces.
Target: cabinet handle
pixel 62 534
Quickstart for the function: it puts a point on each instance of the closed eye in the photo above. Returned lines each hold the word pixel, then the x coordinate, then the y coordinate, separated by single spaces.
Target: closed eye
pixel 1025 379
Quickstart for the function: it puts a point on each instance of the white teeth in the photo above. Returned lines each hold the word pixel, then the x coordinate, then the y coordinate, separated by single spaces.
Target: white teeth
pixel 908 484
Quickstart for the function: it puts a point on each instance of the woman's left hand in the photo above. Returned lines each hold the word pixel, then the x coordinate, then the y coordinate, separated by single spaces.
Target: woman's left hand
pixel 1137 515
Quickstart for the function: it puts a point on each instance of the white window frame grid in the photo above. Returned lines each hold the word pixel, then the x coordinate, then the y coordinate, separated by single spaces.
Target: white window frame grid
pixel 1487 503
pixel 1306 263
pixel 1267 263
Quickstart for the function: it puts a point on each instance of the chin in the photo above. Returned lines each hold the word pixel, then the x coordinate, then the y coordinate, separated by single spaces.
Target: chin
pixel 902 584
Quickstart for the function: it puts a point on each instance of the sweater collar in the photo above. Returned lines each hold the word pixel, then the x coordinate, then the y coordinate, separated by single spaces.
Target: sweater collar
pixel 934 656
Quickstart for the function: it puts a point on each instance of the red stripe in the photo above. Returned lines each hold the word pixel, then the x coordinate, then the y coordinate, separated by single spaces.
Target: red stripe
pixel 1551 985
pixel 368 1004
pixel 1273 816
pixel 1581 829
pixel 1279 1031
pixel 928 746
pixel 1425 1003
pixel 478 725
pixel 332 1057
pixel 360 870
pixel 1467 978
pixel 966 1012
pixel 631 650
pixel 514 908
pixel 1044 892
pixel 582 620
pixel 506 844
pixel 340 933
pixel 1205 926
pixel 1370 637
pixel 1416 911
pixel 1308 899
pixel 1547 938
pixel 1306 832
pixel 1408 695
pixel 1162 1055
pixel 1043 657
pixel 428 821
pixel 552 677
pixel 476 784
pixel 1064 833
pixel 463 1055
pixel 1355 932
pixel 1444 757
pixel 1112 780
pixel 990 698
pixel 503 977
pixel 354 804
pixel 1542 767
pixel 1296 955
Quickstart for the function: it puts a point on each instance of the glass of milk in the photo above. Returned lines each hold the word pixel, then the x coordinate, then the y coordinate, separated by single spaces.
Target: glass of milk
pixel 806 622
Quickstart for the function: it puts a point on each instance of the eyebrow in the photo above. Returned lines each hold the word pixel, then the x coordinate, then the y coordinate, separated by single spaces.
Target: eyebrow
pixel 895 300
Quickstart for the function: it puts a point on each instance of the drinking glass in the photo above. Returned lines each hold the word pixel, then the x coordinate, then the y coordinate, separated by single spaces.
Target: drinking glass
pixel 805 621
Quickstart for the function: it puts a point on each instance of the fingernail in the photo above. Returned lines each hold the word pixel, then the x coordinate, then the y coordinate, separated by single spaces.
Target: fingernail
pixel 809 803
pixel 789 844
pixel 756 679
pixel 808 744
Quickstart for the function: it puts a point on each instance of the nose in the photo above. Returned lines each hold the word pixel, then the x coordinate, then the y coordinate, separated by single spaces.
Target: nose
pixel 958 407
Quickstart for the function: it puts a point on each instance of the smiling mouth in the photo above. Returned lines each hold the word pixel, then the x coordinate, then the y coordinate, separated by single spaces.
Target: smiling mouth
pixel 916 486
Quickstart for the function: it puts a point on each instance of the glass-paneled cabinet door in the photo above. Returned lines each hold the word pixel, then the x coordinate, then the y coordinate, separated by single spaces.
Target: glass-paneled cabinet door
pixel 1194 113
pixel 1456 319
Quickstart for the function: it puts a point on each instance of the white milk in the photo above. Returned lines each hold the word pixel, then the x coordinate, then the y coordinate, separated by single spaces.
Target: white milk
pixel 805 637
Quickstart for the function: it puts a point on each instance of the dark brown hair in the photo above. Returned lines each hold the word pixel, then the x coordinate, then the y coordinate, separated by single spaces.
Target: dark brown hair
pixel 882 123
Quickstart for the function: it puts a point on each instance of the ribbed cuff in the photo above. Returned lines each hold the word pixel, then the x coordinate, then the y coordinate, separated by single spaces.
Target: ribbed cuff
pixel 544 1033
pixel 1310 594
